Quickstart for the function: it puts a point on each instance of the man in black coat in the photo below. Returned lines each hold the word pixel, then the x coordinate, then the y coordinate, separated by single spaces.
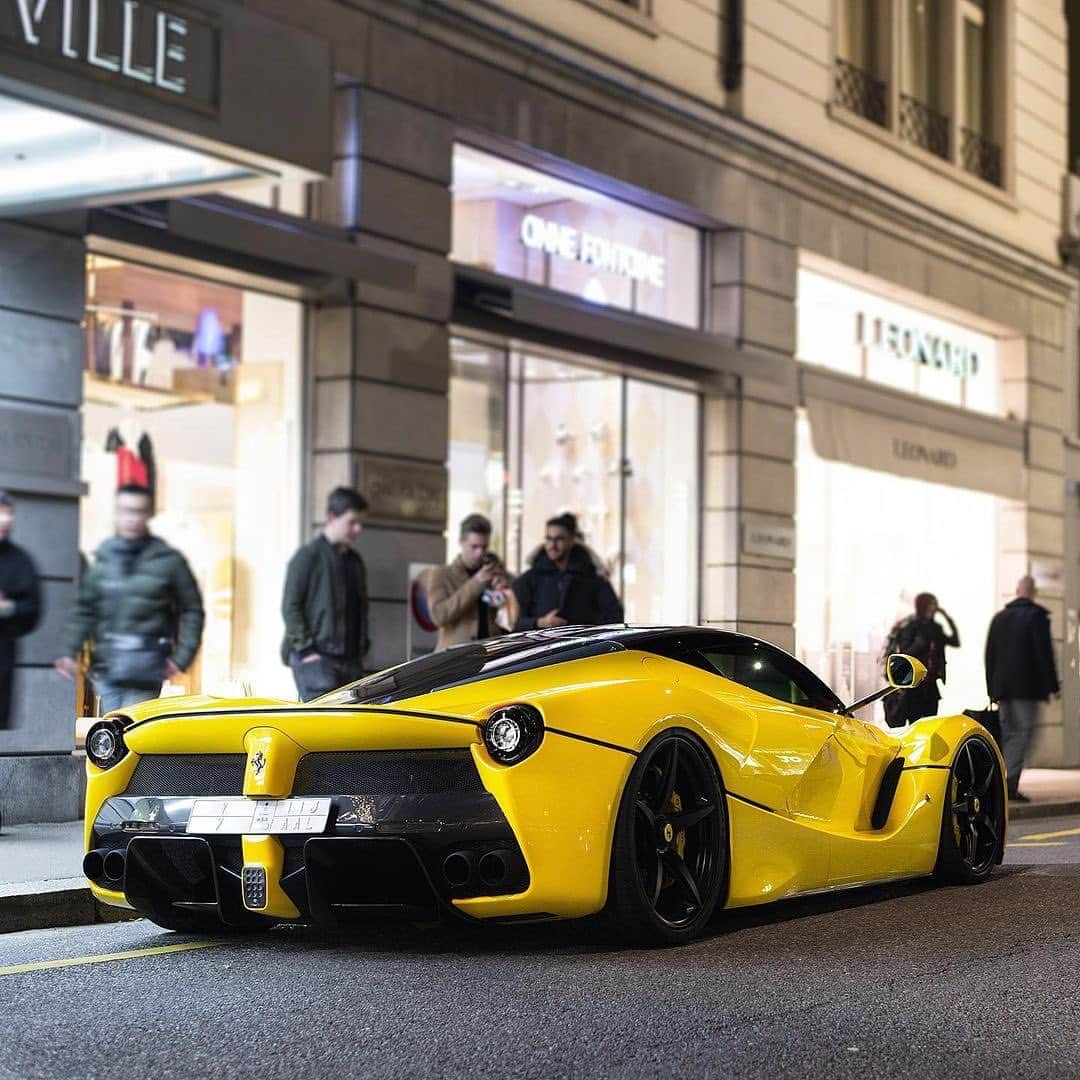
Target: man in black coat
pixel 562 586
pixel 20 602
pixel 1020 673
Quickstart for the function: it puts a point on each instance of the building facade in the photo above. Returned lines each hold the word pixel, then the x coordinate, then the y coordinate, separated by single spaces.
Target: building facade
pixel 768 294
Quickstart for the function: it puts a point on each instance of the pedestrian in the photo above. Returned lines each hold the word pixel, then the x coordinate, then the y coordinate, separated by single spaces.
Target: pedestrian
pixel 325 605
pixel 922 636
pixel 579 540
pixel 465 598
pixel 562 587
pixel 139 605
pixel 1020 674
pixel 20 603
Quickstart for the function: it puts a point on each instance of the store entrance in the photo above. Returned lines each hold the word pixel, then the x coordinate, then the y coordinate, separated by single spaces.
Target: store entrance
pixel 535 435
pixel 193 389
pixel 868 542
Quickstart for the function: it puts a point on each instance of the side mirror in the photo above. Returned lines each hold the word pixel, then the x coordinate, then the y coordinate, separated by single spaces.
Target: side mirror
pixel 904 672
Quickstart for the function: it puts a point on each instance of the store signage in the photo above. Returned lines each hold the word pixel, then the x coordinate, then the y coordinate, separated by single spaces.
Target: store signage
pixel 907 341
pixel 403 491
pixel 577 245
pixel 36 443
pixel 772 540
pixel 144 43
pixel 937 456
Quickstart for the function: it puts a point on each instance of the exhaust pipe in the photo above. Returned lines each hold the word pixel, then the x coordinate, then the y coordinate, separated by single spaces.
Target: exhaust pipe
pixel 495 866
pixel 458 868
pixel 113 865
pixel 93 865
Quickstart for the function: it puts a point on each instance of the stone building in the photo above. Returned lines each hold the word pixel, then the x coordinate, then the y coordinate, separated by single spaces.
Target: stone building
pixel 768 293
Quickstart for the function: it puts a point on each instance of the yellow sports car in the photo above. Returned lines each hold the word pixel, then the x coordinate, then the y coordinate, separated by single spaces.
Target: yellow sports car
pixel 653 774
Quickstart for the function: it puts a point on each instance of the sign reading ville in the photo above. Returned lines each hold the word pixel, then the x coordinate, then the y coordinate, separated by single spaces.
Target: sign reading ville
pixel 147 45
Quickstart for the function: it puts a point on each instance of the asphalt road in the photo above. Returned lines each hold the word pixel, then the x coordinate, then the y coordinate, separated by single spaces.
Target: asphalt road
pixel 907 981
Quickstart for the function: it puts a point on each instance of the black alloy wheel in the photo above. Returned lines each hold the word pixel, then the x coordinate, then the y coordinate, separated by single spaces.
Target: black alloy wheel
pixel 670 854
pixel 973 826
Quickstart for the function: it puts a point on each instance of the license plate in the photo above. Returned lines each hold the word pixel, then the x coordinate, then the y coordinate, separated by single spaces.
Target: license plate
pixel 260 817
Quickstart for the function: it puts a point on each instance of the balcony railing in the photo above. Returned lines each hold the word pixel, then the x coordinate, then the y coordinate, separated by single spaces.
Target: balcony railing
pixel 860 92
pixel 921 125
pixel 980 156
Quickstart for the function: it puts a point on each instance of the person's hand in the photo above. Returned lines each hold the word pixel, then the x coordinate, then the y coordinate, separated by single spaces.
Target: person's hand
pixel 67 667
pixel 552 618
pixel 310 658
pixel 171 668
pixel 486 573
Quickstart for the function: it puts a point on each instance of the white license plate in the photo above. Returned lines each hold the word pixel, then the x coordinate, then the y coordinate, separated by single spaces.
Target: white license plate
pixel 260 817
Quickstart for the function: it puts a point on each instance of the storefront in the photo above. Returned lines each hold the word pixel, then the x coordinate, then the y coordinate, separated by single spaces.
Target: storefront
pixel 911 475
pixel 537 429
pixel 115 367
pixel 193 389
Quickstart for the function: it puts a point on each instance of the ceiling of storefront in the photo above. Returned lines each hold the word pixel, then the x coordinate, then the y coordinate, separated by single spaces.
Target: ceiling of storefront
pixel 51 160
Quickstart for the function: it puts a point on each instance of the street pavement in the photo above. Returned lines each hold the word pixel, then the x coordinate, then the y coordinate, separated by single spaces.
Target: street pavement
pixel 904 981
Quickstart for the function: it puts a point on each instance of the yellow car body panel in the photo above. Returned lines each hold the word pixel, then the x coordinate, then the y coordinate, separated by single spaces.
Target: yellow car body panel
pixel 800 783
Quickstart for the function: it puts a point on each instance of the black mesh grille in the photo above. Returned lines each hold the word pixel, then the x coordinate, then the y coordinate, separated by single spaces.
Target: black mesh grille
pixel 387 772
pixel 188 775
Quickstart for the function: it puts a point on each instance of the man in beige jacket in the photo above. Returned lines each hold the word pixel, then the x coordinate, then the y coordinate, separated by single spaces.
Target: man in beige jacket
pixel 465 597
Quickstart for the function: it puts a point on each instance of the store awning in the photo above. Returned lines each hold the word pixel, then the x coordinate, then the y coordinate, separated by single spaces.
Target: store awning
pixel 872 440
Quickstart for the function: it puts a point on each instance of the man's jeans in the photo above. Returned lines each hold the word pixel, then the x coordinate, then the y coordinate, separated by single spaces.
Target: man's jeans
pixel 119 697
pixel 323 675
pixel 1018 718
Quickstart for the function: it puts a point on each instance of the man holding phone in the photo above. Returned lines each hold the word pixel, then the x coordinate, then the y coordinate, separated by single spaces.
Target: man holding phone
pixel 466 597
pixel 562 586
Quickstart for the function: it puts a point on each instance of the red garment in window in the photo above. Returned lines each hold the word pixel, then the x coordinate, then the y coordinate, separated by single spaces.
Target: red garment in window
pixel 130 468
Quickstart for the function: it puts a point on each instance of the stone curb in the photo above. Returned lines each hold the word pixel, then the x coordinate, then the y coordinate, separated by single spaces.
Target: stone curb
pixel 1026 811
pixel 48 909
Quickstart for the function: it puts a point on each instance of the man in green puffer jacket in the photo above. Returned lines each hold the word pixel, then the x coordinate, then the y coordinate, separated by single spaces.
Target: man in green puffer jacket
pixel 140 608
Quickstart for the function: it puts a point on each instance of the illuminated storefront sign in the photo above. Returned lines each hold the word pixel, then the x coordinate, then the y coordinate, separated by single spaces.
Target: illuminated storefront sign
pixel 536 227
pixel 919 345
pixel 569 243
pixel 139 42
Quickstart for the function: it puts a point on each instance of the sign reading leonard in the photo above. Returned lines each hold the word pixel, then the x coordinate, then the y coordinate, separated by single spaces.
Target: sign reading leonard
pixel 146 44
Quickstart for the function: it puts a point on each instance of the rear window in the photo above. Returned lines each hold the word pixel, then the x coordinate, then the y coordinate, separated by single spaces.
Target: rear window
pixel 468 663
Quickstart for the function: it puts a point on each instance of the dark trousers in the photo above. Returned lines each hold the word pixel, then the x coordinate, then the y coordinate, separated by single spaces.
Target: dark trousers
pixel 7 680
pixel 323 675
pixel 906 706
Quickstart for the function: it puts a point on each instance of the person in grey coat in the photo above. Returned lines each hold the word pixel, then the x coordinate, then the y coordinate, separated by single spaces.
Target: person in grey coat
pixel 1021 674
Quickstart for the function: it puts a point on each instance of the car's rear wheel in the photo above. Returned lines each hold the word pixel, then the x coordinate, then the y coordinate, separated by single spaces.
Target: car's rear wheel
pixel 669 859
pixel 973 819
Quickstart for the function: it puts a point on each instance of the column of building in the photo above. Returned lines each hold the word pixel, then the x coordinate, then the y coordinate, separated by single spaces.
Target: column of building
pixel 42 283
pixel 380 358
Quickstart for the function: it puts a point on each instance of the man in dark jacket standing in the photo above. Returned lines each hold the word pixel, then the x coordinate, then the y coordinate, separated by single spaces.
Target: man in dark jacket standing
pixel 562 586
pixel 1020 673
pixel 20 602
pixel 139 605
pixel 325 605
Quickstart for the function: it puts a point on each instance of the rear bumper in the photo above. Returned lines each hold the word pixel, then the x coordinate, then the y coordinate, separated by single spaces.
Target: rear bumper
pixel 401 856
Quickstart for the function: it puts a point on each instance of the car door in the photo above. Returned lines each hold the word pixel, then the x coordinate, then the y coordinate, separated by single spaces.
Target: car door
pixel 793 717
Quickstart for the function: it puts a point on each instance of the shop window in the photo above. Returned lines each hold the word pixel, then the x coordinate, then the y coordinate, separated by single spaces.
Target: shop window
pixel 536 227
pixel 194 387
pixel 533 436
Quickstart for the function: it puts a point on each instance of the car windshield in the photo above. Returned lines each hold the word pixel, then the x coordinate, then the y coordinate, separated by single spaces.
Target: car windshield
pixel 467 663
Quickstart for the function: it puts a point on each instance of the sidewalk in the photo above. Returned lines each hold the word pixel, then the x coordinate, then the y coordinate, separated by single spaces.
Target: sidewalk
pixel 41 882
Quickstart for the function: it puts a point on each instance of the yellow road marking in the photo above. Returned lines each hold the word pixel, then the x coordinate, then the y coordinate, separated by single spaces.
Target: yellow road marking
pixel 1037 843
pixel 104 958
pixel 1050 835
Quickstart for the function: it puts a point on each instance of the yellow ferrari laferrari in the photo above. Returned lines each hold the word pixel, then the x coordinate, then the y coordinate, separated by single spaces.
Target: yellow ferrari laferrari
pixel 653 774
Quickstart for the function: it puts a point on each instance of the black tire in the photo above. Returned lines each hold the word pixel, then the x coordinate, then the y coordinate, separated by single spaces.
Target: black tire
pixel 973 817
pixel 669 858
